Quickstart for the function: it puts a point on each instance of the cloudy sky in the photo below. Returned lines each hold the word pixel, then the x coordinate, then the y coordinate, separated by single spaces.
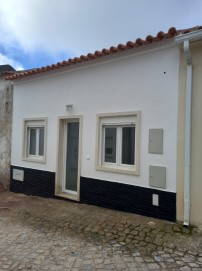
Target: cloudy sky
pixel 34 33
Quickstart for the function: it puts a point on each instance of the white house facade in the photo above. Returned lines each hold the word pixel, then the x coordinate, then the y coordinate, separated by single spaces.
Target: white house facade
pixel 103 131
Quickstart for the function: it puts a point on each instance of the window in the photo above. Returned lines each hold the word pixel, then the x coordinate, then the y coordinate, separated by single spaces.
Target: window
pixel 119 145
pixel 118 142
pixel 34 139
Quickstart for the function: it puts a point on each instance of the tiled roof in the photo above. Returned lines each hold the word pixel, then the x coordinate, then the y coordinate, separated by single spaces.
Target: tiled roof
pixel 172 32
pixel 6 73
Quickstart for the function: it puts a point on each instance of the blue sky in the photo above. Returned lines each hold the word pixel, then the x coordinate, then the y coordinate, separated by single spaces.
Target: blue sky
pixel 37 58
pixel 36 33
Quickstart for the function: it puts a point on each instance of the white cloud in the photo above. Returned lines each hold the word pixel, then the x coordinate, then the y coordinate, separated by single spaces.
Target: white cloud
pixel 6 60
pixel 81 26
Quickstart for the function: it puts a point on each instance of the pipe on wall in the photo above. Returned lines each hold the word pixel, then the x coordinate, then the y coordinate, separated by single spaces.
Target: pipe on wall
pixel 186 39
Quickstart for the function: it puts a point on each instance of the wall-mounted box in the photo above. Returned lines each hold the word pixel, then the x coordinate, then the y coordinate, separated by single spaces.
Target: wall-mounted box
pixel 156 141
pixel 157 176
pixel 155 199
pixel 18 175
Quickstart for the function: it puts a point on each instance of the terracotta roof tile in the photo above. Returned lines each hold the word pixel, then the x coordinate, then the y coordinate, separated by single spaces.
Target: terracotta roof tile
pixel 172 32
pixel 6 73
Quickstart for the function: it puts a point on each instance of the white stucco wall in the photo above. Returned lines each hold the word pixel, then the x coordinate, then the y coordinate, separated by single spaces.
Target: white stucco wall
pixel 146 82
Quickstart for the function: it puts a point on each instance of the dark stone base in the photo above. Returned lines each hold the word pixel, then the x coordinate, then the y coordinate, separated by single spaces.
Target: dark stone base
pixel 36 183
pixel 112 195
pixel 128 198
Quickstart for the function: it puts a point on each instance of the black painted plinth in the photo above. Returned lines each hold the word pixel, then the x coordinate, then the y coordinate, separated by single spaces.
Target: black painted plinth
pixel 112 195
pixel 128 198
pixel 36 182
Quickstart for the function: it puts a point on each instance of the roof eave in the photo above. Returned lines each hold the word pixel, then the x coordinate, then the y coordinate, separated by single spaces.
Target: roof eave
pixel 161 36
pixel 94 62
pixel 192 36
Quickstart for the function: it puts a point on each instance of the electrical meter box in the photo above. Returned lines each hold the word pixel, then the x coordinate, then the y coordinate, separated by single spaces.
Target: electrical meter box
pixel 157 176
pixel 156 141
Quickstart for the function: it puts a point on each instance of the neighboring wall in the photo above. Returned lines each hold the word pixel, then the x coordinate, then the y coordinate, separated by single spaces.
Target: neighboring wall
pixel 146 82
pixel 196 137
pixel 6 104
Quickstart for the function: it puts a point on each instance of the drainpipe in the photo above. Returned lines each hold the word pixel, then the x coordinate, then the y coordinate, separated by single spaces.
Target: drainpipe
pixel 188 58
pixel 185 39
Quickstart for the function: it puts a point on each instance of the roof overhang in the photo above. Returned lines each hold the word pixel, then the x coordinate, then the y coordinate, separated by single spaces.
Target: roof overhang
pixel 114 52
pixel 133 52
pixel 192 36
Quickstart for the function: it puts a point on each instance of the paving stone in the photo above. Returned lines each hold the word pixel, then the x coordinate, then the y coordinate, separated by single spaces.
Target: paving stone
pixel 192 252
pixel 142 234
pixel 185 268
pixel 179 253
pixel 169 250
pixel 148 259
pixel 176 228
pixel 192 265
pixel 163 266
pixel 139 259
pixel 40 234
pixel 134 232
pixel 151 246
pixel 158 258
pixel 153 266
pixel 148 239
pixel 180 263
pixel 189 258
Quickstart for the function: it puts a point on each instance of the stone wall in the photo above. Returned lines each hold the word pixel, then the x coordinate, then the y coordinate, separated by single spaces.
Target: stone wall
pixel 6 105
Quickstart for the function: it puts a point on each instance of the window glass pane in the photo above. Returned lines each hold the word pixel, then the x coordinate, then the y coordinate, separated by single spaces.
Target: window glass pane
pixel 41 141
pixel 32 142
pixel 110 145
pixel 128 145
pixel 72 156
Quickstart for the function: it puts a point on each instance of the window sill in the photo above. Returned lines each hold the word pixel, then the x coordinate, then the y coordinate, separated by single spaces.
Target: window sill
pixel 37 160
pixel 119 169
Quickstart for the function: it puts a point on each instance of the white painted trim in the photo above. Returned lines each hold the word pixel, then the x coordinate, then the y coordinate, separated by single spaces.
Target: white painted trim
pixel 64 157
pixel 130 170
pixel 37 121
pixel 60 156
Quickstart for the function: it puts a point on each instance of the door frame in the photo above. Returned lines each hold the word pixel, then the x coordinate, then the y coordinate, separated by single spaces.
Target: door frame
pixel 62 121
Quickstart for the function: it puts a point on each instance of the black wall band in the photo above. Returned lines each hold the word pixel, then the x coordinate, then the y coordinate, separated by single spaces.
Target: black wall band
pixel 129 198
pixel 36 182
pixel 118 196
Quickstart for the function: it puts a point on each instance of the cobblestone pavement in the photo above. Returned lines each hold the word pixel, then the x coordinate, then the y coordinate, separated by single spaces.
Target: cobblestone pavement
pixel 48 234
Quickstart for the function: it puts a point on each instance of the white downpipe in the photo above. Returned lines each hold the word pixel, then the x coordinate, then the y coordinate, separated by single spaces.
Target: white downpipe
pixel 187 134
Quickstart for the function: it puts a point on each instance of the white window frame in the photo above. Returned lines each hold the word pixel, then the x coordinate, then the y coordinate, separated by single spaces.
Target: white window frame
pixel 117 120
pixel 61 154
pixel 118 144
pixel 34 123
